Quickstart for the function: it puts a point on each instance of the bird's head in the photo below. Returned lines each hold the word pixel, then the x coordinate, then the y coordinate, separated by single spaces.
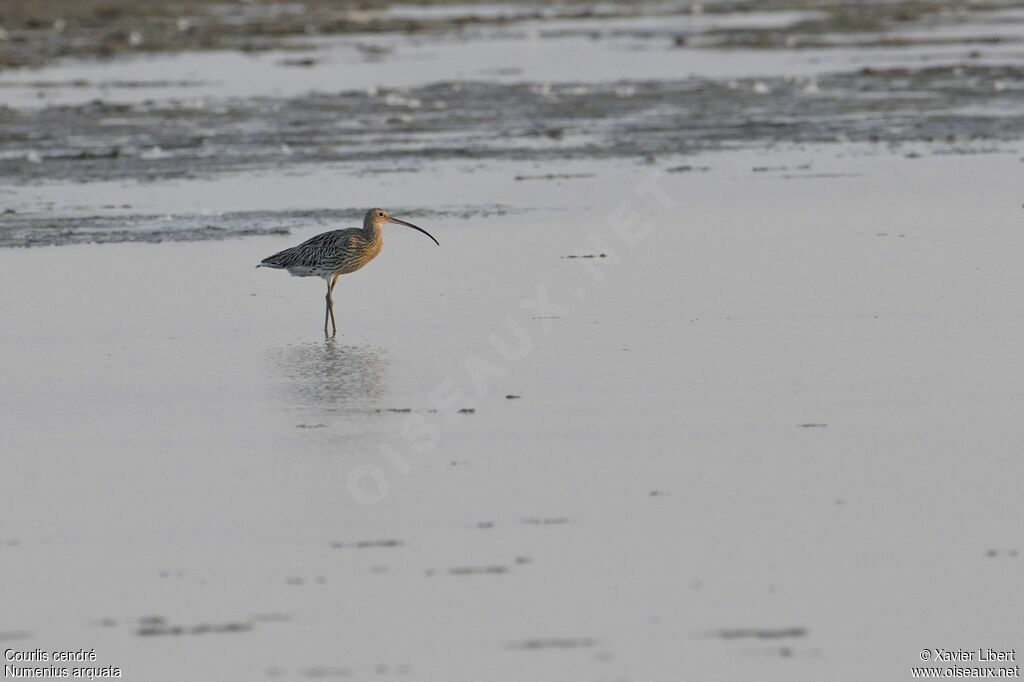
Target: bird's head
pixel 376 218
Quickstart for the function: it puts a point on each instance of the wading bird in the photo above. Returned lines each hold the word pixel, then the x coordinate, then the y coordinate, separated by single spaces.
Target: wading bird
pixel 339 252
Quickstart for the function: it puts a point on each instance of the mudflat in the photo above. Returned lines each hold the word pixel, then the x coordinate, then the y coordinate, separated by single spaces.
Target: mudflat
pixel 715 373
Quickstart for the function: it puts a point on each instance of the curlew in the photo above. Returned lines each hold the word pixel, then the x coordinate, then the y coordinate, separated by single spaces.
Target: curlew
pixel 338 252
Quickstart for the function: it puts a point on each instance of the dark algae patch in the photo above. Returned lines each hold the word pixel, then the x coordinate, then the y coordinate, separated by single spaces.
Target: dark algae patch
pixel 944 105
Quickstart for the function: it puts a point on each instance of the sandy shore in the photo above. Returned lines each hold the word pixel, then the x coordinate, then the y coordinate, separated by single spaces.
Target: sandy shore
pixel 777 437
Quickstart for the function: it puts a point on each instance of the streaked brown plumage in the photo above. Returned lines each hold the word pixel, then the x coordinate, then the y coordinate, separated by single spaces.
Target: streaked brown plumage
pixel 339 252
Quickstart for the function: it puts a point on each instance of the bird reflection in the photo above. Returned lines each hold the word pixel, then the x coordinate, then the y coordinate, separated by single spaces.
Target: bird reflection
pixel 329 374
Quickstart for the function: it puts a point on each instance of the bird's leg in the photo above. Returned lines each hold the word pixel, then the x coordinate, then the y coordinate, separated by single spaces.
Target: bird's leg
pixel 327 309
pixel 330 304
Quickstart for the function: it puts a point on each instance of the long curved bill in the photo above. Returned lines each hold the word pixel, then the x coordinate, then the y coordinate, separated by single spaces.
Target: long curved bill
pixel 402 222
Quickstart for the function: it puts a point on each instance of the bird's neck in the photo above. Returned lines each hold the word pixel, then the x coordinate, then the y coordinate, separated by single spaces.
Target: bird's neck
pixel 373 231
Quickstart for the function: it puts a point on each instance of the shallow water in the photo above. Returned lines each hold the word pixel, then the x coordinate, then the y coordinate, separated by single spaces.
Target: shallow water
pixel 654 501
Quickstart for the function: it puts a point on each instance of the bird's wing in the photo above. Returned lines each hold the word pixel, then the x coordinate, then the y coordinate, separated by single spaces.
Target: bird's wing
pixel 312 252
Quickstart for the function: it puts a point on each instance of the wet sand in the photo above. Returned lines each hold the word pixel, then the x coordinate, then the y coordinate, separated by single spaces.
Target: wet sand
pixel 778 437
